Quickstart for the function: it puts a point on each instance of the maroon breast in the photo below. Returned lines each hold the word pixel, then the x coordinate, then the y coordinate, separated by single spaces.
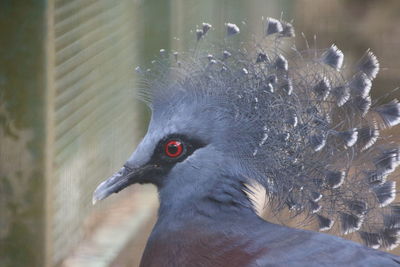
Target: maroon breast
pixel 194 248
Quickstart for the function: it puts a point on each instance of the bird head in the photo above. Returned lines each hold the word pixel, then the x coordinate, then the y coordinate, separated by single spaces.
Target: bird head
pixel 228 118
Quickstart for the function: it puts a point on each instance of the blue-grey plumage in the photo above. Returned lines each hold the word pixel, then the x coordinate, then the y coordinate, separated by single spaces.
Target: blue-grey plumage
pixel 286 120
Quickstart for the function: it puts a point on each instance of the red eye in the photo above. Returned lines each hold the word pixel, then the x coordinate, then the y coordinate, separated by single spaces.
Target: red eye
pixel 173 148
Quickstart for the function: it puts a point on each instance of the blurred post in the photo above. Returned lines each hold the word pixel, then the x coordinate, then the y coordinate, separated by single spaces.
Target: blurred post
pixel 22 132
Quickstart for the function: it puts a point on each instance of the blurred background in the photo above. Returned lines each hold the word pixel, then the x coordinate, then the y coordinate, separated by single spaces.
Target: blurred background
pixel 69 119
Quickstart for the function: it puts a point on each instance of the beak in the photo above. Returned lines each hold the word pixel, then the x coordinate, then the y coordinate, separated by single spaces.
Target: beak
pixel 121 179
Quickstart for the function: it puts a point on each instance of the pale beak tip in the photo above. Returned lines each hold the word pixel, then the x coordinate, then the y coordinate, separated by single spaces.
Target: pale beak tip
pixel 94 200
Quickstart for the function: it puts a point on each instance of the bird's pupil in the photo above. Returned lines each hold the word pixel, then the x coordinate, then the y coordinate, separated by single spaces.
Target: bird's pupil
pixel 173 148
